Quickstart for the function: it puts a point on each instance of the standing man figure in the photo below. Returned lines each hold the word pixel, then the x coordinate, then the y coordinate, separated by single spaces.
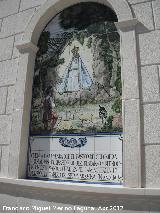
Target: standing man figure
pixel 49 115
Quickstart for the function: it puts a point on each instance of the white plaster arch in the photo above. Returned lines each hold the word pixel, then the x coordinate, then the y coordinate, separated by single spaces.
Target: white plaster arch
pixel 130 81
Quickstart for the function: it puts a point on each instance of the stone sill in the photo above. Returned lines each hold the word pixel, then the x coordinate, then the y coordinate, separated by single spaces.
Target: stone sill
pixel 81 187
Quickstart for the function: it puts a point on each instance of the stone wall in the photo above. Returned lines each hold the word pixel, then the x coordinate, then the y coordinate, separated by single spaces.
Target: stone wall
pixel 148 36
pixel 14 17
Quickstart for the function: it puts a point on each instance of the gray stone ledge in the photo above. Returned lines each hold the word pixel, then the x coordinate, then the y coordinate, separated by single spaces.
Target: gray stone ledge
pixel 26 47
pixel 123 25
pixel 81 187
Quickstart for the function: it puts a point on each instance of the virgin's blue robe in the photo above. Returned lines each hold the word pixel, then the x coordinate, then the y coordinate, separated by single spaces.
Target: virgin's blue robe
pixel 76 77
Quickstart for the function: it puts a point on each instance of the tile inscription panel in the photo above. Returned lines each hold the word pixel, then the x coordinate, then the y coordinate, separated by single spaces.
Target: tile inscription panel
pixel 79 158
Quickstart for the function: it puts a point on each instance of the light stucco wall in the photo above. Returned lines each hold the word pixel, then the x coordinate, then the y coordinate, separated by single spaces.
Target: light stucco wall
pixel 14 17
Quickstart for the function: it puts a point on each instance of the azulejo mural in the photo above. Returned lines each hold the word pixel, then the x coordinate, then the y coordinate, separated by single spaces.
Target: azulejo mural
pixel 76 104
pixel 77 82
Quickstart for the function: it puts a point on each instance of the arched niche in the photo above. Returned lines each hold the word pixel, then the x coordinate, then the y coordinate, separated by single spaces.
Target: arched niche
pixel 76 98
pixel 130 91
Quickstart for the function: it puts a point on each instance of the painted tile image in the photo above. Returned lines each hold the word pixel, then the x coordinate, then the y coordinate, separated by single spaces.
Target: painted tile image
pixel 77 80
pixel 76 159
pixel 77 94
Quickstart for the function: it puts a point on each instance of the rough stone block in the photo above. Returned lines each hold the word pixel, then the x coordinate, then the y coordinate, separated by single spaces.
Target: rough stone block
pixel 15 144
pixel 152 123
pixel 149 47
pixel 10 99
pixel 17 40
pixel 9 74
pixel 8 7
pixel 4 161
pixel 150 83
pixel 24 82
pixel 15 23
pixel 156 13
pixel 129 65
pixel 19 144
pixel 131 142
pixel 143 13
pixel 152 162
pixel 30 3
pixel 5 129
pixel 6 45
pixel 3 97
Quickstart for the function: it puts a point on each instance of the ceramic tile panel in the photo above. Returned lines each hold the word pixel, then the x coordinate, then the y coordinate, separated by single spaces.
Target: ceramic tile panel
pixel 77 80
pixel 76 103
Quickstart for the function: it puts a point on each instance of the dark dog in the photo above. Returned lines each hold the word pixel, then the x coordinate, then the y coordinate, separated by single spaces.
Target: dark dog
pixel 102 113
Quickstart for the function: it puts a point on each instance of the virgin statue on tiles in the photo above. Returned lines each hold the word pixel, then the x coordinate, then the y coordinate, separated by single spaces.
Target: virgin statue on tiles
pixel 76 76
